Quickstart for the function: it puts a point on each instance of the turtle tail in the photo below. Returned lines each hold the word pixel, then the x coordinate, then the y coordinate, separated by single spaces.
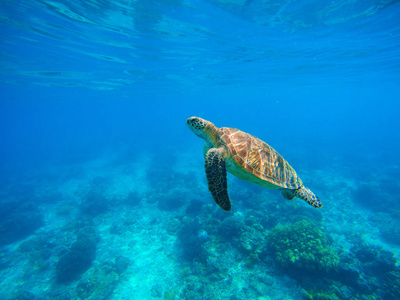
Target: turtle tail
pixel 308 196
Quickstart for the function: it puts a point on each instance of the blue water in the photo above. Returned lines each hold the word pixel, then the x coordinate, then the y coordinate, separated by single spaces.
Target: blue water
pixel 103 193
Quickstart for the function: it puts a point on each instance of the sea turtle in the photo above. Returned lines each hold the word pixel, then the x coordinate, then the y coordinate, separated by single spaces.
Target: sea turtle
pixel 248 158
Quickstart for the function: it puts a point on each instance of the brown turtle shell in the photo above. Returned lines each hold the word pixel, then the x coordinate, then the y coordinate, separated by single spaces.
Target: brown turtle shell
pixel 258 158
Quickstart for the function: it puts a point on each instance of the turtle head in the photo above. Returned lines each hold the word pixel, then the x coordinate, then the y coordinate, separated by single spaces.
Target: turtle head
pixel 199 126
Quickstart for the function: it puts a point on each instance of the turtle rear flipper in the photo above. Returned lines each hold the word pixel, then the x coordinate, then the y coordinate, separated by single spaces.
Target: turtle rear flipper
pixel 308 196
pixel 287 194
pixel 216 178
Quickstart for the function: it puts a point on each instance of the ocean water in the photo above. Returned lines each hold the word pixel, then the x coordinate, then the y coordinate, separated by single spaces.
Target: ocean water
pixel 103 192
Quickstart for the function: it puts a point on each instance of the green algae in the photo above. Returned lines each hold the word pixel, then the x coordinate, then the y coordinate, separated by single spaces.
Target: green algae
pixel 97 284
pixel 169 295
pixel 392 284
pixel 302 246
pixel 252 260
pixel 173 226
pixel 321 296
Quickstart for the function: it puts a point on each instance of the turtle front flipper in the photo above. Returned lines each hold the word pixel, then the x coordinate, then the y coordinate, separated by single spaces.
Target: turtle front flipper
pixel 308 196
pixel 216 178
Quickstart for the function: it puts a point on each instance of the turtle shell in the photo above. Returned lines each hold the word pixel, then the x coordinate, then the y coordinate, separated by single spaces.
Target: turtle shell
pixel 254 156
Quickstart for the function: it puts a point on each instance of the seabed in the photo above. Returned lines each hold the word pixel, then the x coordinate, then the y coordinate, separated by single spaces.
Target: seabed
pixel 142 227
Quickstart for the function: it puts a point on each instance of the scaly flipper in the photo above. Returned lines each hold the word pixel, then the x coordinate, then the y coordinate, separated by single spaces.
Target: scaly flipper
pixel 287 194
pixel 308 196
pixel 216 178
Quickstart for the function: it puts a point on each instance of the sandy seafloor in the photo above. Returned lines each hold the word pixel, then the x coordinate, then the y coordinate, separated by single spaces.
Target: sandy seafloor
pixel 150 211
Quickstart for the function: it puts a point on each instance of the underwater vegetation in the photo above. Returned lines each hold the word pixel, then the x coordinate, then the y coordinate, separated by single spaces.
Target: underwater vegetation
pixel 95 201
pixel 302 246
pixel 171 202
pixel 231 227
pixel 361 273
pixel 132 199
pixel 39 251
pixel 167 194
pixel 17 221
pixel 392 285
pixel 304 252
pixel 368 196
pixel 266 248
pixel 390 231
pixel 100 282
pixel 79 258
pixel 191 237
pixel 194 206
pixel 211 242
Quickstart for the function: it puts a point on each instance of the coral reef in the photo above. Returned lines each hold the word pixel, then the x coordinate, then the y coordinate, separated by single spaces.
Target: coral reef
pixel 251 238
pixel 362 272
pixel 97 284
pixel 17 221
pixel 96 202
pixel 369 197
pixel 79 259
pixel 194 207
pixel 175 243
pixel 172 201
pixel 374 259
pixel 192 237
pixel 121 264
pixel 173 226
pixel 132 199
pixel 302 246
pixel 231 227
pixel 390 231
pixel 392 285
pixel 64 209
pixel 24 296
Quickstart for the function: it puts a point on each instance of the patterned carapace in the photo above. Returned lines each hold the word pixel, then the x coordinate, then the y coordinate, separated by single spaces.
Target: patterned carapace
pixel 260 159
